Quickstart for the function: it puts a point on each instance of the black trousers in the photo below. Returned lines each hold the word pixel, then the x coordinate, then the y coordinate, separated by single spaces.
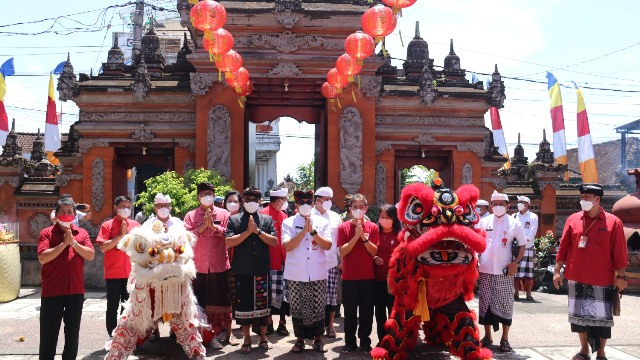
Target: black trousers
pixel 383 302
pixel 357 299
pixel 53 310
pixel 116 294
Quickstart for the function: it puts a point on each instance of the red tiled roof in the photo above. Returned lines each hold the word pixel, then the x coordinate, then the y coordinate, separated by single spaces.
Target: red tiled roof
pixel 26 140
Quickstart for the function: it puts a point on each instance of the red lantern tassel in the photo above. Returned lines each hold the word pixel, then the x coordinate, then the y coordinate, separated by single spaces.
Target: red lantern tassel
pixel 219 75
pixel 338 100
pixel 354 95
pixel 241 101
pixel 193 2
pixel 331 101
pixel 350 79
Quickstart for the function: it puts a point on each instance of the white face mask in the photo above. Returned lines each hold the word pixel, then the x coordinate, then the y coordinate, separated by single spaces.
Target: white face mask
pixel 586 205
pixel 326 205
pixel 233 206
pixel 206 200
pixel 251 207
pixel 499 210
pixel 124 212
pixel 386 223
pixel 357 213
pixel 164 213
pixel 520 206
pixel 64 224
pixel 305 210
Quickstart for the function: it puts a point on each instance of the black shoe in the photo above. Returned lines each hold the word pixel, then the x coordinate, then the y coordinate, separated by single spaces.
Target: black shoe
pixel 270 329
pixel 365 348
pixel 349 348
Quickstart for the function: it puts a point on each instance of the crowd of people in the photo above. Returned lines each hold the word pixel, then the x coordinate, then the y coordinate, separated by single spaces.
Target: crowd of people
pixel 259 262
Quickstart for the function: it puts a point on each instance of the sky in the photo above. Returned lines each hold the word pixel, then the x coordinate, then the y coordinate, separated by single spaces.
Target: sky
pixel 591 42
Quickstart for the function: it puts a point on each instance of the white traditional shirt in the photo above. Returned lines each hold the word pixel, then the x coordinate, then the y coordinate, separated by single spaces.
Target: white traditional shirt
pixel 307 262
pixel 500 233
pixel 173 221
pixel 529 223
pixel 334 220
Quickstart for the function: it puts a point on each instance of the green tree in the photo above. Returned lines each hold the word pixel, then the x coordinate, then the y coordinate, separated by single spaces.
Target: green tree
pixel 181 189
pixel 416 173
pixel 305 176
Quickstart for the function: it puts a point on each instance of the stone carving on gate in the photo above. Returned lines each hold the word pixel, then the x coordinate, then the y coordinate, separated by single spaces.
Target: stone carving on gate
pixel 381 184
pixel 63 180
pixel 285 70
pixel 188 165
pixel 219 140
pixel 432 121
pixel 189 144
pixel 427 91
pixel 144 135
pixel 288 18
pixel 85 144
pixel 371 85
pixel 140 117
pixel 500 183
pixel 201 82
pixel 424 139
pixel 475 147
pixel 382 146
pixel 467 174
pixel 287 42
pixel 142 82
pixel 97 184
pixel 37 222
pixel 351 150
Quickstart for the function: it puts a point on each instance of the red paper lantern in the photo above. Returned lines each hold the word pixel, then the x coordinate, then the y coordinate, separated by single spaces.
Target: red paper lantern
pixel 379 22
pixel 336 79
pixel 229 62
pixel 347 65
pixel 359 45
pixel 217 42
pixel 398 5
pixel 329 91
pixel 246 89
pixel 208 15
pixel 238 78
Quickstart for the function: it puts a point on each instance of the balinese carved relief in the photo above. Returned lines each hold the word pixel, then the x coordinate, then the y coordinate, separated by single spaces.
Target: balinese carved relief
pixel 67 84
pixel 371 85
pixel 85 144
pixel 499 183
pixel 63 180
pixel 288 42
pixel 142 82
pixel 351 149
pixel 219 140
pixel 475 147
pixel 433 121
pixel 543 184
pixel 201 82
pixel 467 174
pixel 144 135
pixel 37 222
pixel 14 181
pixel 427 91
pixel 139 117
pixel 288 18
pixel 97 184
pixel 424 139
pixel 382 146
pixel 381 184
pixel 288 5
pixel 188 165
pixel 285 70
pixel 188 144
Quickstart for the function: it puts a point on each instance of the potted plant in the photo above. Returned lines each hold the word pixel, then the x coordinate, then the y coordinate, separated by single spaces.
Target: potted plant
pixel 545 249
pixel 9 262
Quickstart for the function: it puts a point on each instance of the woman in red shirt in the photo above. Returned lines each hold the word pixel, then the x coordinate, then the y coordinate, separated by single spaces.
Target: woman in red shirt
pixel 389 226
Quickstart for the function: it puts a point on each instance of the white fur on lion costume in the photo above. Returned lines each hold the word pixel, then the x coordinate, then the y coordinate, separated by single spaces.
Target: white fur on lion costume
pixel 159 288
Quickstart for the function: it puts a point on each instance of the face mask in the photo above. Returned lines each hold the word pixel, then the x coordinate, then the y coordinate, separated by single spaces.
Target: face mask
pixel 305 210
pixel 520 207
pixel 124 212
pixel 386 223
pixel 584 204
pixel 357 213
pixel 206 200
pixel 65 220
pixel 251 207
pixel 233 206
pixel 164 213
pixel 326 205
pixel 499 210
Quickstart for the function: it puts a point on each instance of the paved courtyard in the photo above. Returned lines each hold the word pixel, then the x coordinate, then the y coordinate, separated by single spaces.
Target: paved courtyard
pixel 540 331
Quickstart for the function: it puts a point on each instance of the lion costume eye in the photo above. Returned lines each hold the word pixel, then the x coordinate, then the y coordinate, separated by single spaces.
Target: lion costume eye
pixel 415 210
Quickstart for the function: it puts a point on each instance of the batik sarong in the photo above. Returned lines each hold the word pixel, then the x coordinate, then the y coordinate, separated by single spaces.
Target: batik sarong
pixel 251 299
pixel 496 300
pixel 307 307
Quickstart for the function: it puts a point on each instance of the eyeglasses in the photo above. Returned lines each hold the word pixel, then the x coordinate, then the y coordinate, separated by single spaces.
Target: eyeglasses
pixel 162 206
pixel 305 202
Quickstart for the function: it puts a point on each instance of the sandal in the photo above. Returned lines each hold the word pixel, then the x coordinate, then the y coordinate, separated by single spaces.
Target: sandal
pixel 486 341
pixel 504 346
pixel 298 347
pixel 231 340
pixel 581 356
pixel 265 344
pixel 331 333
pixel 245 349
pixel 282 330
pixel 318 346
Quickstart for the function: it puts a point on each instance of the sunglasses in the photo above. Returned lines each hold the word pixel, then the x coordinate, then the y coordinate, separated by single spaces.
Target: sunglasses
pixel 251 199
pixel 305 202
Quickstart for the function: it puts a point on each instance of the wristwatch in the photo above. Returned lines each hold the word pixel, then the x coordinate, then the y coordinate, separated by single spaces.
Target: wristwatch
pixel 365 241
pixel 623 277
pixel 73 245
pixel 259 232
pixel 313 232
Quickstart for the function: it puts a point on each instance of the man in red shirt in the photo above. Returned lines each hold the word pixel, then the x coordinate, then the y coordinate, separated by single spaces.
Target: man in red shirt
pixel 594 249
pixel 62 249
pixel 358 243
pixel 277 255
pixel 117 265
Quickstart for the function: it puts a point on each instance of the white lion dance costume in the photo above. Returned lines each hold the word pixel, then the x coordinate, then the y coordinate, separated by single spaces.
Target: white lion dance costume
pixel 159 288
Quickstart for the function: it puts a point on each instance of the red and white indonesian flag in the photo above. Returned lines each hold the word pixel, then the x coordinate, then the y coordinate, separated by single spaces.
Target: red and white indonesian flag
pixel 52 141
pixel 498 135
pixel 586 156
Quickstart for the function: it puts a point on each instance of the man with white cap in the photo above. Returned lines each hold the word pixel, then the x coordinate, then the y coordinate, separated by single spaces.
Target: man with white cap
pixel 162 209
pixel 482 208
pixel 323 197
pixel 497 268
pixel 529 222
pixel 277 254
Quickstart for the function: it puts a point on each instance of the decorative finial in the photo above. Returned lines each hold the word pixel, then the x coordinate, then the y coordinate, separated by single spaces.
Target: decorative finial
pixel 68 57
pixel 417 29
pixel 38 131
pixel 13 125
pixel 518 138
pixel 451 52
pixel 544 134
pixel 496 67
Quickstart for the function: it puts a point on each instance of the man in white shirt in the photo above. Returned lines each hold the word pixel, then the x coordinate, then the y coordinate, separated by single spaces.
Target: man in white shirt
pixel 323 197
pixel 307 239
pixel 529 223
pixel 482 208
pixel 497 267
pixel 162 209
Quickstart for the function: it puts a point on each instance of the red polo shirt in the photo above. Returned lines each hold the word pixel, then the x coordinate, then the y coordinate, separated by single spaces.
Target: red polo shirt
pixel 277 253
pixel 116 262
pixel 388 243
pixel 605 252
pixel 358 264
pixel 63 275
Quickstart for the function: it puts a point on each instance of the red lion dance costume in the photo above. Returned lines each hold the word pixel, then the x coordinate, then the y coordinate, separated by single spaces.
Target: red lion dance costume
pixel 433 272
pixel 159 288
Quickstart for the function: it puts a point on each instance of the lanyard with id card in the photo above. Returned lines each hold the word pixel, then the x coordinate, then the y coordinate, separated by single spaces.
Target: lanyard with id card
pixel 582 243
